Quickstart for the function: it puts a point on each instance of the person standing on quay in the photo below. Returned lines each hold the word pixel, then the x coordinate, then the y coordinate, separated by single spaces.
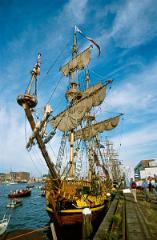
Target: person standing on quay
pixel 133 190
pixel 150 186
pixel 155 188
pixel 145 189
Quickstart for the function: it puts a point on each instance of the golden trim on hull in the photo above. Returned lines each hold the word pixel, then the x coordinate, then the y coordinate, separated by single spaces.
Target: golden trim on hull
pixel 77 210
pixel 73 216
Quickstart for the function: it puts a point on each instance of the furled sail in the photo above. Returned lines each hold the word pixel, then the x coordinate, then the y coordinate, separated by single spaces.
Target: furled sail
pixel 92 130
pixel 78 62
pixel 72 116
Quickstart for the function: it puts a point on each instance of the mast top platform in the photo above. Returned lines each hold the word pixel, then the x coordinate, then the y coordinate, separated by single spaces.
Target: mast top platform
pixel 28 99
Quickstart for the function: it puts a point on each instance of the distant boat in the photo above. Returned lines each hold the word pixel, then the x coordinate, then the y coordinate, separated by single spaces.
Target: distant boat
pixel 20 193
pixel 14 203
pixel 43 194
pixel 4 224
pixel 12 183
pixel 30 186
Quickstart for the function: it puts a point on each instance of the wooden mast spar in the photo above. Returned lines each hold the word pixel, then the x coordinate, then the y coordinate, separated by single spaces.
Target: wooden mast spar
pixel 72 93
pixel 28 101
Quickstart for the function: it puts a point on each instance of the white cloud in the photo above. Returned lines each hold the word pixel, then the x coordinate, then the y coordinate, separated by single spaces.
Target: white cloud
pixel 138 145
pixel 75 10
pixel 136 93
pixel 135 23
pixel 14 155
pixel 136 97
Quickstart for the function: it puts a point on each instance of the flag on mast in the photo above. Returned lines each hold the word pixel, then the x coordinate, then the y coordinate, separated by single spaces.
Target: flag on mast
pixel 38 64
pixel 36 69
pixel 88 38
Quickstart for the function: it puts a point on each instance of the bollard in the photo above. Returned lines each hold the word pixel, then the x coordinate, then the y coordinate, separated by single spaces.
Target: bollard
pixel 87 225
pixel 53 231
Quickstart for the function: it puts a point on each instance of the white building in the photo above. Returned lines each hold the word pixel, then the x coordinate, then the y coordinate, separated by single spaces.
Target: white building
pixel 145 169
pixel 148 172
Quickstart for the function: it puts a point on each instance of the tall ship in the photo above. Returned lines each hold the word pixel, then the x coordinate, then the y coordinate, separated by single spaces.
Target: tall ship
pixel 78 179
pixel 112 163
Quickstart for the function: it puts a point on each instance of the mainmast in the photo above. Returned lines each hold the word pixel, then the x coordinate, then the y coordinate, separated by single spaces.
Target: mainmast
pixel 77 62
pixel 72 93
pixel 28 101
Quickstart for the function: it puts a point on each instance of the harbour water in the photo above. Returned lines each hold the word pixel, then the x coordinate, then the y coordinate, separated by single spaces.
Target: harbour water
pixel 31 215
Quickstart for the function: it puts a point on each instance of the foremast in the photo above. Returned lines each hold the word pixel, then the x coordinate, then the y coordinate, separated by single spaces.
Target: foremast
pixel 29 101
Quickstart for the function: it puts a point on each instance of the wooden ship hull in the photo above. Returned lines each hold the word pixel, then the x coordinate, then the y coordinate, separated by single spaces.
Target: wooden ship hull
pixel 69 190
pixel 72 198
pixel 74 216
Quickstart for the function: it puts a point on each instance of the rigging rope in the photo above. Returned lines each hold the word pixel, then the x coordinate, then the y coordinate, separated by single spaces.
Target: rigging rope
pixel 61 154
pixel 54 62
pixel 25 234
pixel 35 152
pixel 28 151
pixel 54 90
pixel 34 164
pixel 52 149
pixel 97 74
pixel 50 68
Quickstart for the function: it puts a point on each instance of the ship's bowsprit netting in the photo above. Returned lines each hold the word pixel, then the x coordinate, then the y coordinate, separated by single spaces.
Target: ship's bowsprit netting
pixel 78 160
pixel 61 154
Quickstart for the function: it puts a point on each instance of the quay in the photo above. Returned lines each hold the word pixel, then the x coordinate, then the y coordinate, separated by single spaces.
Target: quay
pixel 124 220
pixel 25 234
pixel 129 220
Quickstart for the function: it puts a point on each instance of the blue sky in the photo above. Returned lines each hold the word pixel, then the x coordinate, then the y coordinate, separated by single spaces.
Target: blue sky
pixel 127 34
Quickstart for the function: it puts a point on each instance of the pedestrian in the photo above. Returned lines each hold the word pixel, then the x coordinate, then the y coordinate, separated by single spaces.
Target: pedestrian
pixel 150 189
pixel 155 189
pixel 133 190
pixel 150 186
pixel 145 189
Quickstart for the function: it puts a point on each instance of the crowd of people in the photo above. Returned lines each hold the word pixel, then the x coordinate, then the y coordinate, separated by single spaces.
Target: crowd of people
pixel 148 186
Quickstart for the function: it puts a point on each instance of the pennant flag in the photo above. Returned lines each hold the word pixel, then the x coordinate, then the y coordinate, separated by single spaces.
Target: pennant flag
pixel 88 38
pixel 36 69
pixel 101 146
pixel 38 64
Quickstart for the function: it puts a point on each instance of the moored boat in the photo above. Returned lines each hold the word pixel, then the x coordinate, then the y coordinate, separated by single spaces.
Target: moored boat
pixel 43 193
pixel 4 224
pixel 14 203
pixel 30 186
pixel 20 193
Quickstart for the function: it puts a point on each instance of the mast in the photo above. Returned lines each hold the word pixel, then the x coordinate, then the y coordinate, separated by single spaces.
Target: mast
pixel 112 161
pixel 87 78
pixel 28 102
pixel 73 91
